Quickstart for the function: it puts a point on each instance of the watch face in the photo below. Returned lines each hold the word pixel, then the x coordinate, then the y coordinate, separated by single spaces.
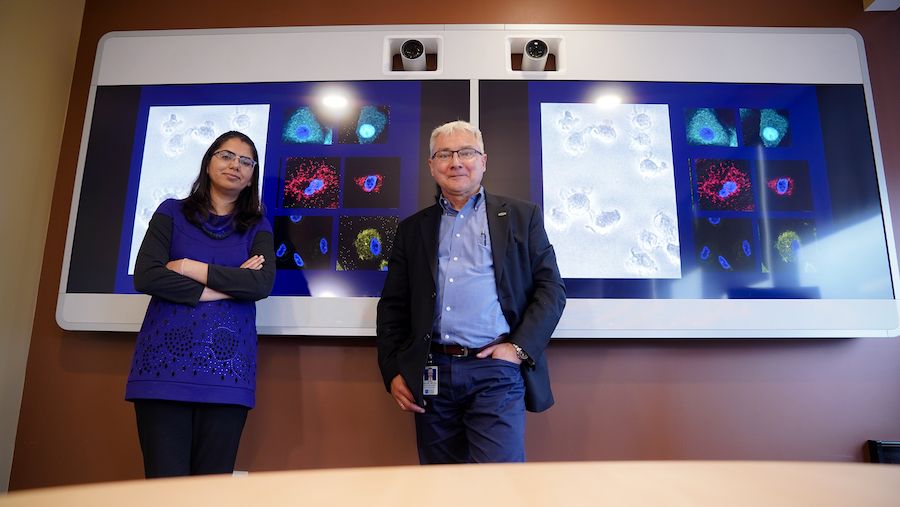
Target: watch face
pixel 412 49
pixel 536 48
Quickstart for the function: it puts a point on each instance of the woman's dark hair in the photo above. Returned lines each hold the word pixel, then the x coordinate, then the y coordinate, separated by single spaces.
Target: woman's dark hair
pixel 247 209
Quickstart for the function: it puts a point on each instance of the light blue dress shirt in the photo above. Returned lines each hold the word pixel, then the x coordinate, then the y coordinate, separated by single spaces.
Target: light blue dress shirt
pixel 467 310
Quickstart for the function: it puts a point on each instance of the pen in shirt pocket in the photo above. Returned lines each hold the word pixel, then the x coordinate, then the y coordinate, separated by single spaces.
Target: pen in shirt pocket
pixel 483 238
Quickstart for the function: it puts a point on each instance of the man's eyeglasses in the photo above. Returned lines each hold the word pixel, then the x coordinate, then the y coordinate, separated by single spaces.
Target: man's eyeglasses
pixel 465 154
pixel 229 156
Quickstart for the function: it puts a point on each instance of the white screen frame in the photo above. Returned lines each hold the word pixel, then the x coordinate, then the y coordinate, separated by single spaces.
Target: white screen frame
pixel 768 55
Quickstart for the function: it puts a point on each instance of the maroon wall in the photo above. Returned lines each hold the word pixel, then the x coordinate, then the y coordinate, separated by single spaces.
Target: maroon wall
pixel 321 401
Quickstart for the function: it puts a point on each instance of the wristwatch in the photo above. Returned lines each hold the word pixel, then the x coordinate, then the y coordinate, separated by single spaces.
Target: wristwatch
pixel 519 352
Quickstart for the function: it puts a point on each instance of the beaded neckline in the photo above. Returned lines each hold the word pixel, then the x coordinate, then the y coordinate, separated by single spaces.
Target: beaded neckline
pixel 218 226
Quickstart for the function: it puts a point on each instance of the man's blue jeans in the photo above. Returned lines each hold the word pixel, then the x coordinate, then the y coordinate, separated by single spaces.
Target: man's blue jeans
pixel 478 415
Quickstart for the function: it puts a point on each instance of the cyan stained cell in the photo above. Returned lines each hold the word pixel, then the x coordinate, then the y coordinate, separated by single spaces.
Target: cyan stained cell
pixel 304 128
pixel 371 124
pixel 705 127
pixel 772 127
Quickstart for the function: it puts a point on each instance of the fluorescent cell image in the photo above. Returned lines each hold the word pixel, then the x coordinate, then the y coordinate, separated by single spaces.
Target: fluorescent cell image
pixel 303 244
pixel 710 127
pixel 791 245
pixel 311 183
pixel 371 182
pixel 177 138
pixel 365 243
pixel 767 127
pixel 369 127
pixel 725 245
pixel 723 185
pixel 609 190
pixel 303 127
pixel 788 186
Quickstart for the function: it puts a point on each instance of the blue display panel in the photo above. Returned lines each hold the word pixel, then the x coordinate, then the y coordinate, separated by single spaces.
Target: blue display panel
pixel 335 180
pixel 698 191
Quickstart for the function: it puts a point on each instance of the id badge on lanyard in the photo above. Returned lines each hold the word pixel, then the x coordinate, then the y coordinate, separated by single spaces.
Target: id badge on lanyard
pixel 430 379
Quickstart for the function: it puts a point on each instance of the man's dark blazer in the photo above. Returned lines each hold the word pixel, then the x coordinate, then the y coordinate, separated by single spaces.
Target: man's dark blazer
pixel 531 292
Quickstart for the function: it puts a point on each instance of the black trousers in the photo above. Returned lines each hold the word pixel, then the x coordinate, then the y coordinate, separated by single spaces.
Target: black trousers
pixel 179 438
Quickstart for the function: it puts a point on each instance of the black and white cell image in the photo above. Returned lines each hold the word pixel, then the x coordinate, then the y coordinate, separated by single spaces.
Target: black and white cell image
pixel 609 190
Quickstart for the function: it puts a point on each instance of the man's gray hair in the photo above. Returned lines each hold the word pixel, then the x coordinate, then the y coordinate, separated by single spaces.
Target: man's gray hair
pixel 455 126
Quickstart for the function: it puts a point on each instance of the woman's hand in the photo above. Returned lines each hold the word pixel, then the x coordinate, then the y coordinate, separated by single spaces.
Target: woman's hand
pixel 255 263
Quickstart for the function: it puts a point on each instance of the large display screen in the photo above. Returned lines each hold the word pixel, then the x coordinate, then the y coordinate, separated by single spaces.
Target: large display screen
pixel 698 190
pixel 335 179
pixel 687 193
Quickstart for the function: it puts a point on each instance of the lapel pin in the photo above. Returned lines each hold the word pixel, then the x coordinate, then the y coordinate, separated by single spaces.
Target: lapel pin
pixel 501 214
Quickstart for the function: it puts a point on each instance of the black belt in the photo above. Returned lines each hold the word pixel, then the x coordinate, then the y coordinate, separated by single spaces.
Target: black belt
pixel 450 349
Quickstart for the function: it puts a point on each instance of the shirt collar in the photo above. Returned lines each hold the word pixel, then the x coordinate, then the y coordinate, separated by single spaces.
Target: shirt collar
pixel 476 199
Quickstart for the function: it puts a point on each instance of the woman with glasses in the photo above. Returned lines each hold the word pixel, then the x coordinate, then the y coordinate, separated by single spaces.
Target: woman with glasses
pixel 205 260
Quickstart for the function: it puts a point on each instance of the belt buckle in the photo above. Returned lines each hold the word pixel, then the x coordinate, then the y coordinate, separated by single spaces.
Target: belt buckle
pixel 464 353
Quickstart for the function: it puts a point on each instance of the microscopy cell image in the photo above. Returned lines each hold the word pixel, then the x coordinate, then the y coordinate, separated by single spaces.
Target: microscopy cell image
pixel 370 126
pixel 311 183
pixel 176 138
pixel 302 126
pixel 609 190
pixel 365 243
pixel 791 244
pixel 725 244
pixel 705 126
pixel 303 242
pixel 788 186
pixel 723 185
pixel 767 127
pixel 372 182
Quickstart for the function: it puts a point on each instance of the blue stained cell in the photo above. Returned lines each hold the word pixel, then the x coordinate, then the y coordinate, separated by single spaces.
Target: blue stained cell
pixel 781 186
pixel 302 133
pixel 704 253
pixel 375 246
pixel 323 246
pixel 706 133
pixel 314 186
pixel 298 260
pixel 728 188
pixel 724 263
pixel 366 130
pixel 746 246
pixel 281 251
pixel 296 218
pixel 714 220
pixel 370 183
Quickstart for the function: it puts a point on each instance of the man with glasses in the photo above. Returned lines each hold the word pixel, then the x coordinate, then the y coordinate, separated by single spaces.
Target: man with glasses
pixel 471 298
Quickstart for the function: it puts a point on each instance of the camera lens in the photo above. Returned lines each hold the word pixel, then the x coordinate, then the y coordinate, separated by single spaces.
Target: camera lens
pixel 536 48
pixel 412 49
